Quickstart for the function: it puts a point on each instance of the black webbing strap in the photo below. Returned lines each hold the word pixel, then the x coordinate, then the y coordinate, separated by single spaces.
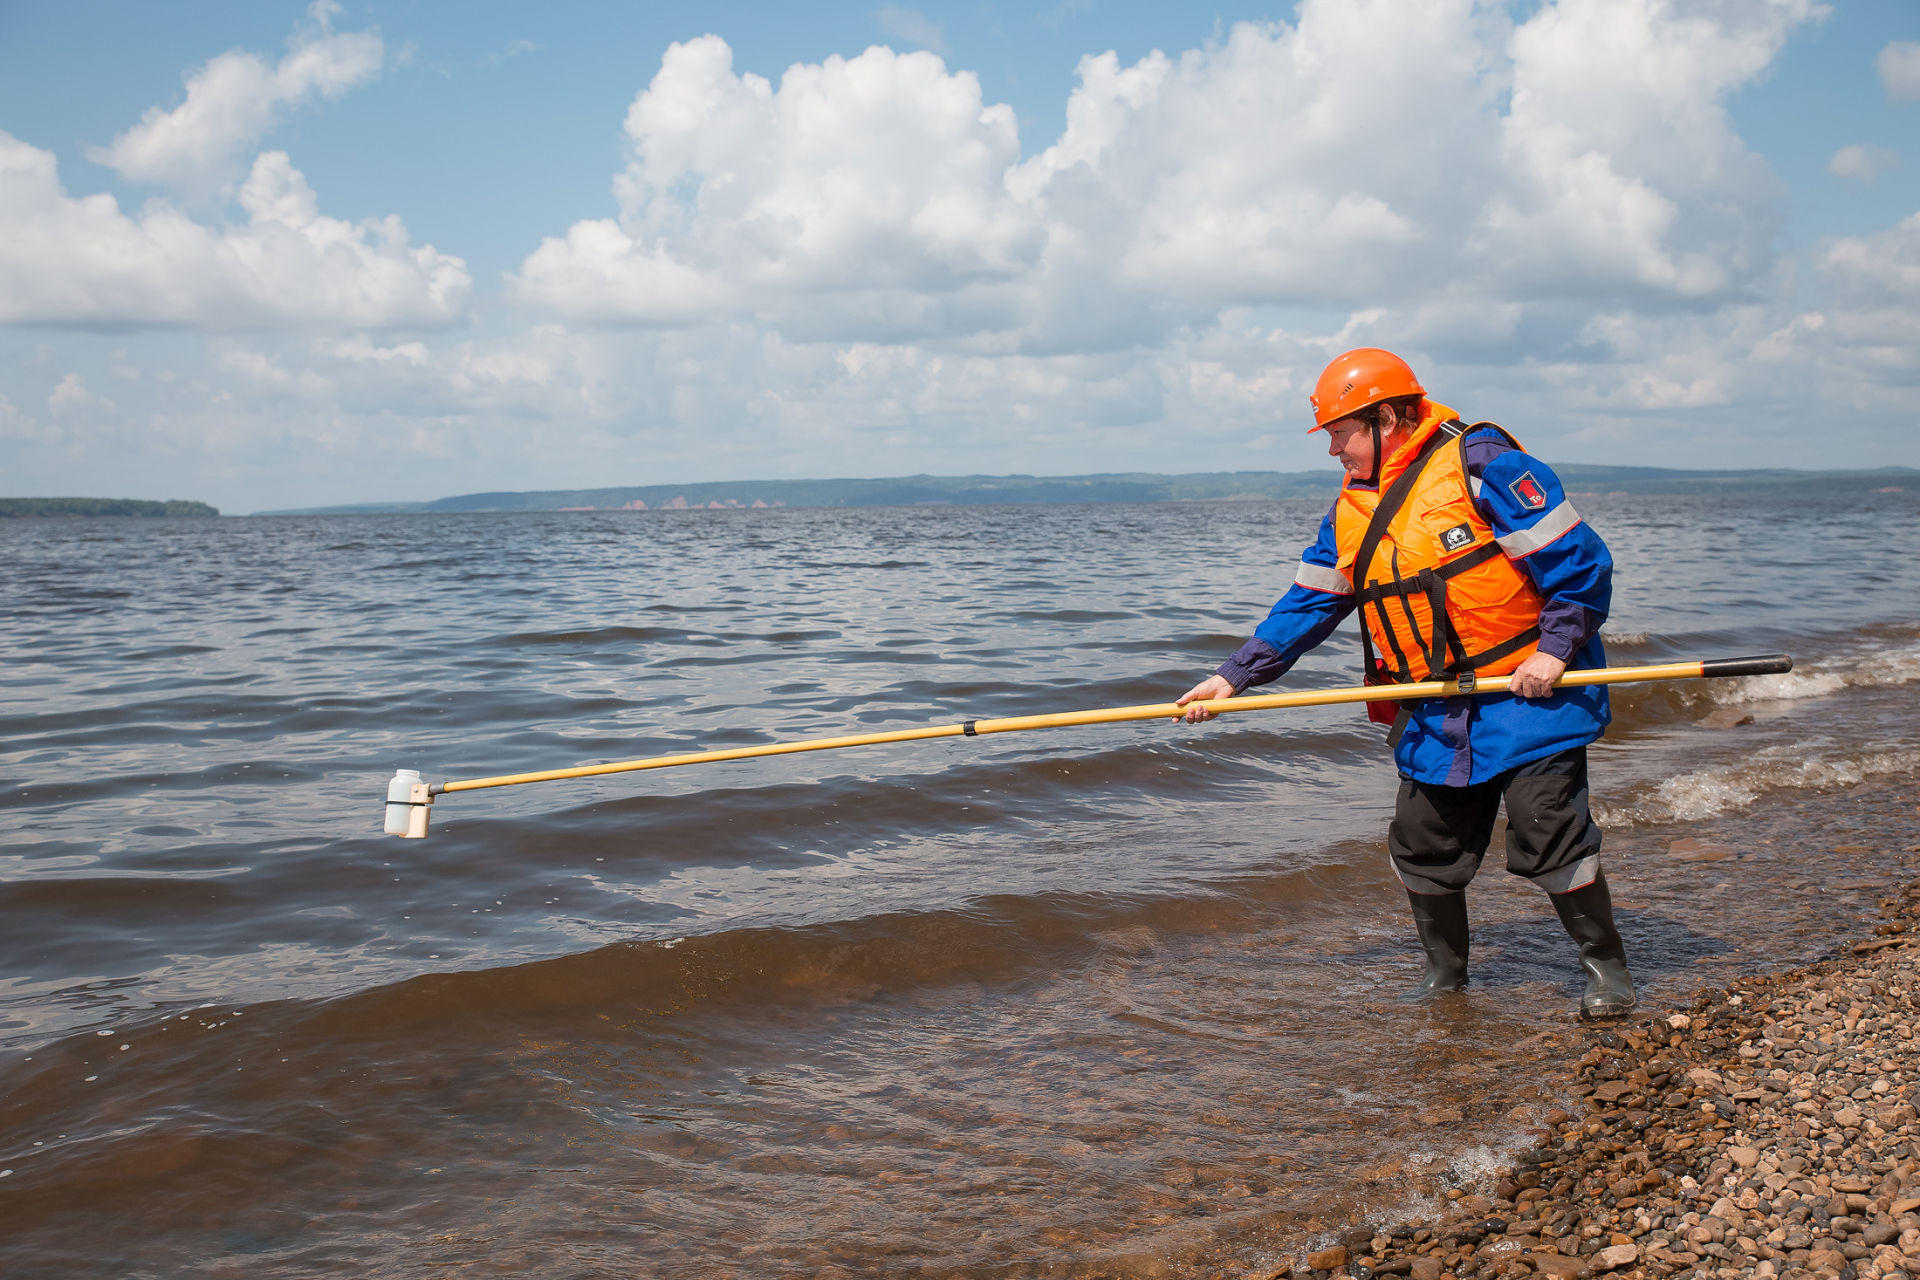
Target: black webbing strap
pixel 1437 659
pixel 1453 568
pixel 1383 513
pixel 1404 673
pixel 1430 583
pixel 1404 593
pixel 1488 657
pixel 1390 503
pixel 1454 645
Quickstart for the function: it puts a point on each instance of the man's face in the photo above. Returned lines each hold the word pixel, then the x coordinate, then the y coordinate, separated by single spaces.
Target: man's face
pixel 1351 441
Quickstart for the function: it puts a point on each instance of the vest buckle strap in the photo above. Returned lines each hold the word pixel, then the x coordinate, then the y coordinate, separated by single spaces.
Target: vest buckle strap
pixel 1443 648
pixel 1386 590
pixel 1487 657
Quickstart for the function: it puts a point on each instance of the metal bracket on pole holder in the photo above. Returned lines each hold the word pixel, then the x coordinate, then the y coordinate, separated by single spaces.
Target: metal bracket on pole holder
pixel 419 809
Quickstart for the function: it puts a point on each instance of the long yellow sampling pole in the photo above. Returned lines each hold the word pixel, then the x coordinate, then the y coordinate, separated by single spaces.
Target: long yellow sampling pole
pixel 408 797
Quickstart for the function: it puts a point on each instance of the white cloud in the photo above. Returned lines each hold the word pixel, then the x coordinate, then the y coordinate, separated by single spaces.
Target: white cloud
pixel 1869 354
pixel 28 433
pixel 198 147
pixel 543 376
pixel 85 262
pixel 1899 68
pixel 68 261
pixel 1861 163
pixel 1621 171
pixel 1584 155
pixel 514 48
pixel 1262 170
pixel 16 426
pixel 880 177
pixel 71 397
pixel 911 26
pixel 1882 267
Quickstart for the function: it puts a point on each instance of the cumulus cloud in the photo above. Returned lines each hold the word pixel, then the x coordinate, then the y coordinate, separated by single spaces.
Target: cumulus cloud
pixel 1861 163
pixel 1899 68
pixel 1869 341
pixel 1262 170
pixel 1621 170
pixel 71 396
pixel 199 147
pixel 22 429
pixel 83 261
pixel 881 175
pixel 731 398
pixel 1883 266
pixel 1585 154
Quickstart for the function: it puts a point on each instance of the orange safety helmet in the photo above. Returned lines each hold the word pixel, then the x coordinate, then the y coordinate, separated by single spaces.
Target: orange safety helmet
pixel 1364 376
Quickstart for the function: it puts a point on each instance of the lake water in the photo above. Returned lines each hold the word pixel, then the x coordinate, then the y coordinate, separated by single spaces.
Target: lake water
pixel 1038 1004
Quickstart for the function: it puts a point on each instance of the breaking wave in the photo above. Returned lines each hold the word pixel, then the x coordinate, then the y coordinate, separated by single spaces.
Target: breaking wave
pixel 1707 792
pixel 1878 669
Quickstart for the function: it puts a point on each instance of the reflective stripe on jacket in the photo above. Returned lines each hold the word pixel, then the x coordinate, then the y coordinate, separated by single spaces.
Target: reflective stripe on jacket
pixel 1440 595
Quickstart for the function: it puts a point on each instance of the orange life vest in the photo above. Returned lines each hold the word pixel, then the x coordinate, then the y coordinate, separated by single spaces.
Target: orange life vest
pixel 1437 595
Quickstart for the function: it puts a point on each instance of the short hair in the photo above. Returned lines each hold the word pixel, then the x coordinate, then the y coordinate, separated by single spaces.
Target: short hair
pixel 1407 407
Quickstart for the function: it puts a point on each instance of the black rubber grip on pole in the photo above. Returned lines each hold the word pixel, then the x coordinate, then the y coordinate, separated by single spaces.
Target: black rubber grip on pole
pixel 969 730
pixel 1765 664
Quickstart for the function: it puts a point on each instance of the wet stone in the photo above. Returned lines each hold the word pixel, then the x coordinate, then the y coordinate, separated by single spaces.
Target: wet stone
pixel 1615 1256
pixel 1328 1259
pixel 1788 1144
pixel 1690 849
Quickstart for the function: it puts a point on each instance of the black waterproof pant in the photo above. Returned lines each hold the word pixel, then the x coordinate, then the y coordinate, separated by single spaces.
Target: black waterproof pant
pixel 1439 834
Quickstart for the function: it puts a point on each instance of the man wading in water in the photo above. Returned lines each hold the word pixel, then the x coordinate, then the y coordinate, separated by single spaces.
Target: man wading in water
pixel 1469 561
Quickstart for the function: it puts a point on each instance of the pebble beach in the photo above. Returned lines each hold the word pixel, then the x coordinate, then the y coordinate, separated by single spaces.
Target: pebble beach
pixel 1767 1129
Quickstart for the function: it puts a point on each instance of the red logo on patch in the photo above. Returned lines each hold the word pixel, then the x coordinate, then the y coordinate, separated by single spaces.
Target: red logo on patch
pixel 1529 492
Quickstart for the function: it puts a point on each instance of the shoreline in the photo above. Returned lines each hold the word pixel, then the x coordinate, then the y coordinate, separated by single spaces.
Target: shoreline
pixel 1767 1129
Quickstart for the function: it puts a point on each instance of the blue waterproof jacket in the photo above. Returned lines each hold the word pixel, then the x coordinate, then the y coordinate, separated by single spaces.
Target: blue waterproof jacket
pixel 1457 741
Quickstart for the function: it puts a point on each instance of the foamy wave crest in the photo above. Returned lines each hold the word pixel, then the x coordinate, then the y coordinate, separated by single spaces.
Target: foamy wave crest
pixel 1703 794
pixel 1787 688
pixel 1884 667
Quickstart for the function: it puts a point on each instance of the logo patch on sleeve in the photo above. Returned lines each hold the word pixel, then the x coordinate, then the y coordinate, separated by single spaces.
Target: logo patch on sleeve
pixel 1455 538
pixel 1528 491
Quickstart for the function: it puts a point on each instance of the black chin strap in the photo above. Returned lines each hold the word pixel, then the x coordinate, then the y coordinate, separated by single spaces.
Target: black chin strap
pixel 1374 479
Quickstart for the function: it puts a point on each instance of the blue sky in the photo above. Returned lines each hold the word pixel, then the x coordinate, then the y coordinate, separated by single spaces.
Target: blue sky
pixel 282 254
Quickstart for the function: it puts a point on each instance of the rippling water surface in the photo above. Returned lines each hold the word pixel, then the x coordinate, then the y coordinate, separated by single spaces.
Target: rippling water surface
pixel 1030 1004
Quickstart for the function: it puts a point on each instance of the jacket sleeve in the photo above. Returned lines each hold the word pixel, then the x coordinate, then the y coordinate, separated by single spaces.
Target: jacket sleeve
pixel 1538 528
pixel 1312 607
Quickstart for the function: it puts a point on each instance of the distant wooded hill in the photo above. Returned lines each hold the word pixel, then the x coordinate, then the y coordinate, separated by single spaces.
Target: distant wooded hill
pixel 901 491
pixel 13 507
pixel 1205 486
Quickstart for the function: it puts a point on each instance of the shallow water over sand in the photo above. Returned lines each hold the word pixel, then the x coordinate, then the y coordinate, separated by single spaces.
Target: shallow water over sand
pixel 979 1007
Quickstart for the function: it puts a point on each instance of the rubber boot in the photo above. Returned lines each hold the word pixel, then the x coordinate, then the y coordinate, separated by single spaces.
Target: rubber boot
pixel 1587 914
pixel 1441 919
